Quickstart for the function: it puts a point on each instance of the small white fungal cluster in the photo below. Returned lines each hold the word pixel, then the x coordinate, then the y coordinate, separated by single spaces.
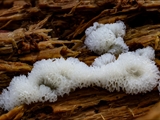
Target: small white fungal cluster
pixel 133 72
pixel 102 38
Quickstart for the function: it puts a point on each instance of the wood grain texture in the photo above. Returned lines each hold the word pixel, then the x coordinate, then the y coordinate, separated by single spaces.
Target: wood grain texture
pixel 31 28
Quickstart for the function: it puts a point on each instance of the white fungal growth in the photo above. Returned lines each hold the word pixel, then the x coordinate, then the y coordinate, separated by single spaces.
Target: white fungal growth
pixel 102 38
pixel 104 60
pixel 95 26
pixel 117 28
pixel 55 77
pixel 133 72
pixel 146 52
pixel 141 74
pixel 118 47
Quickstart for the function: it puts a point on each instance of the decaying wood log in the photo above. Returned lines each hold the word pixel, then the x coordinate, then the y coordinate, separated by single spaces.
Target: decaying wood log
pixel 42 29
pixel 144 35
pixel 90 103
pixel 14 114
pixel 14 67
pixel 49 53
pixel 154 113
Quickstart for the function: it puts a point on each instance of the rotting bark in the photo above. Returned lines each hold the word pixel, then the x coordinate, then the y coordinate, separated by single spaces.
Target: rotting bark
pixel 29 29
pixel 91 103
